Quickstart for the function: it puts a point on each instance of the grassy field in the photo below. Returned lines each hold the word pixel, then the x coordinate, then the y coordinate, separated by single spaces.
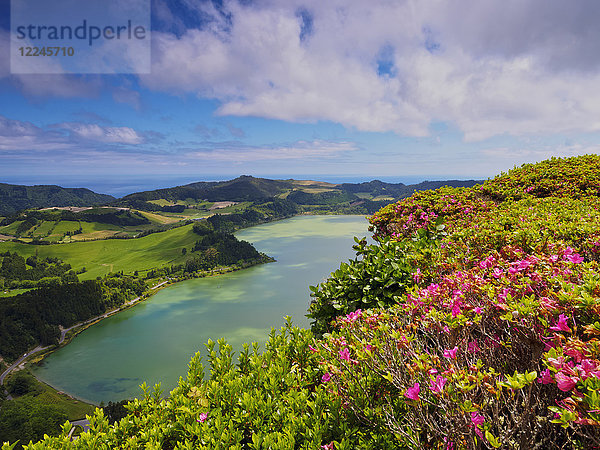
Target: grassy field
pixel 160 202
pixel 45 228
pixel 10 229
pixel 47 395
pixel 238 207
pixel 7 293
pixel 159 218
pixel 195 210
pixel 127 255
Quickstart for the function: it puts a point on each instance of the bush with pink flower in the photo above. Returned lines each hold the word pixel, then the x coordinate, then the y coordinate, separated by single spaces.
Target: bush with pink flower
pixel 473 323
pixel 495 344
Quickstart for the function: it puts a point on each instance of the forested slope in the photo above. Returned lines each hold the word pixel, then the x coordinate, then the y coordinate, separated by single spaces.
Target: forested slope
pixel 14 198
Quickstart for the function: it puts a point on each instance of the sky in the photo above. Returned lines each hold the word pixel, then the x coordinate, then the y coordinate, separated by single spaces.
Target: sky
pixel 331 90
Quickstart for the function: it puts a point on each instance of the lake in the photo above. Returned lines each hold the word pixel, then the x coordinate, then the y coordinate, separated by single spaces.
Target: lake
pixel 154 341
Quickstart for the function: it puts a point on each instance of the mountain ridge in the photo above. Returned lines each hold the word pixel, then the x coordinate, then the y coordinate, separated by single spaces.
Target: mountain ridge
pixel 15 198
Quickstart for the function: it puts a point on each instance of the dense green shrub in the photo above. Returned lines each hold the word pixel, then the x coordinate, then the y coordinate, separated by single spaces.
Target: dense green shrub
pixel 271 399
pixel 474 323
pixel 377 277
pixel 575 177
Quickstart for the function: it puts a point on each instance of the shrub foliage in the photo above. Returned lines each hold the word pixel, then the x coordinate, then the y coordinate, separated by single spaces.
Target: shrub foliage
pixel 473 323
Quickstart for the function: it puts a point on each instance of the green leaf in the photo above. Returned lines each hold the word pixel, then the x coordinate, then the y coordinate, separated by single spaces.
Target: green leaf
pixel 492 439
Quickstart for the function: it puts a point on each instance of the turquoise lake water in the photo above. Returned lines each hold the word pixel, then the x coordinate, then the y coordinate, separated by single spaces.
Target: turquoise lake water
pixel 154 341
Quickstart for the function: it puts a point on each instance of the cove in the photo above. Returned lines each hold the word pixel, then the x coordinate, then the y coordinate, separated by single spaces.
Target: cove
pixel 154 341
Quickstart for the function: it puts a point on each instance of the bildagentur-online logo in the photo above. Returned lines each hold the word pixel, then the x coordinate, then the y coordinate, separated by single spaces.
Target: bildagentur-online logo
pixel 80 36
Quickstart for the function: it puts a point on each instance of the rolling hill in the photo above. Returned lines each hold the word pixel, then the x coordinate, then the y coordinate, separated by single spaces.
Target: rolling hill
pixel 14 198
pixel 302 192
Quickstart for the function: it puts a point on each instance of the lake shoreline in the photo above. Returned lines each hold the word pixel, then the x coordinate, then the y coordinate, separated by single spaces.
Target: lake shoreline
pixel 303 239
pixel 67 338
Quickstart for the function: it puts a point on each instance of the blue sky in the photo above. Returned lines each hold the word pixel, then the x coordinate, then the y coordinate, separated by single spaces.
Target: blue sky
pixel 395 90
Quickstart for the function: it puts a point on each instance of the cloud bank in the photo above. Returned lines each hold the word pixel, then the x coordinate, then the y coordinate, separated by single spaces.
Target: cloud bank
pixel 490 67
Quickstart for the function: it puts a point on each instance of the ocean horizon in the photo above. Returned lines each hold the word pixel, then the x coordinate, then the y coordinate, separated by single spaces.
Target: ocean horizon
pixel 121 186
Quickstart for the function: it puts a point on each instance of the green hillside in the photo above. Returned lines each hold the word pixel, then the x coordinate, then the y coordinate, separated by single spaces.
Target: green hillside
pixel 244 188
pixel 313 196
pixel 474 322
pixel 114 255
pixel 14 198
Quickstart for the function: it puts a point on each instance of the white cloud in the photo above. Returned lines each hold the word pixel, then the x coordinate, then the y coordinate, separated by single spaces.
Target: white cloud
pixel 94 132
pixel 492 67
pixel 301 150
pixel 16 135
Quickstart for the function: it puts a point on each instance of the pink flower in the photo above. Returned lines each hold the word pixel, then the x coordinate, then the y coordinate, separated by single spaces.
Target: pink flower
pixel 345 354
pixel 477 310
pixel 575 354
pixel 477 420
pixel 437 386
pixel 351 317
pixel 546 377
pixel 497 273
pixel 487 262
pixel 561 325
pixel 326 377
pixel 473 347
pixel 417 276
pixel 312 349
pixel 557 363
pixel 450 354
pixel 586 368
pixel 564 382
pixel 449 444
pixel 455 310
pixel 575 258
pixel 329 446
pixel 548 303
pixel 413 392
pixel 202 417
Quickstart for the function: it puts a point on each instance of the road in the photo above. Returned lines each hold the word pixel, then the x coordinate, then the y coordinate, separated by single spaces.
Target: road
pixel 39 348
pixel 64 331
pixel 83 423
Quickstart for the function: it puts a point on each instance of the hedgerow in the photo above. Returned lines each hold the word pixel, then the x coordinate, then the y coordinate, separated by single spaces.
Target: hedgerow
pixel 473 323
